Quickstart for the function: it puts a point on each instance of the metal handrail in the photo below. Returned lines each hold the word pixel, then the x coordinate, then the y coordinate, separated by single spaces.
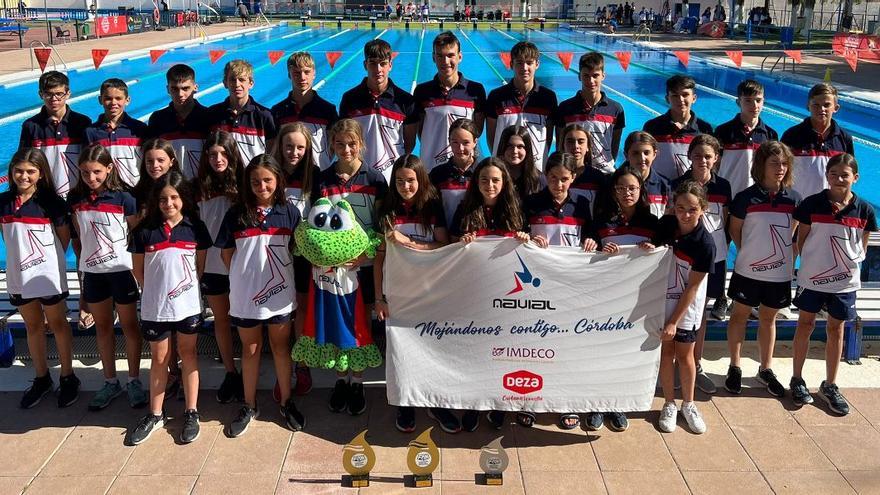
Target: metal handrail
pixel 51 55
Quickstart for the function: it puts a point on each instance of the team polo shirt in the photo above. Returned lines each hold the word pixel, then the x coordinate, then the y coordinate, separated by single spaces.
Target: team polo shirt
pixel 766 251
pixel 812 153
pixel 102 230
pixel 251 126
pixel 833 250
pixel 534 111
pixel 587 185
pixel 692 252
pixel 563 224
pixel 171 282
pixel 293 189
pixel 382 120
pixel 261 273
pixel 739 149
pixel 35 263
pixel 672 157
pixel 452 183
pixel 186 134
pixel 61 142
pixel 494 224
pixel 124 144
pixel 408 222
pixel 601 121
pixel 317 115
pixel 212 211
pixel 719 197
pixel 659 192
pixel 626 232
pixel 438 108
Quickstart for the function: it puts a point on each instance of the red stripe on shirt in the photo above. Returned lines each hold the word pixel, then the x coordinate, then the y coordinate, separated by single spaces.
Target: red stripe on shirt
pixel 583 117
pixel 100 207
pixel 39 143
pixel 352 189
pixel 254 232
pixel 623 230
pixel 766 207
pixel 27 220
pixel 515 109
pixel 816 153
pixel 742 146
pixel 171 245
pixel 680 255
pixel 441 102
pixel 248 131
pixel 384 112
pixel 553 220
pixel 859 223
pixel 126 141
pixel 684 139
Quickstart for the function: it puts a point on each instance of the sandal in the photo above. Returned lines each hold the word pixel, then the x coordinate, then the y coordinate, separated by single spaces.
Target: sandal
pixel 525 419
pixel 569 421
pixel 86 321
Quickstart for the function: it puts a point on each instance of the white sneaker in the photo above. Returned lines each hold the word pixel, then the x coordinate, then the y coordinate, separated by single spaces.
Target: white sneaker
pixel 784 314
pixel 668 416
pixel 692 416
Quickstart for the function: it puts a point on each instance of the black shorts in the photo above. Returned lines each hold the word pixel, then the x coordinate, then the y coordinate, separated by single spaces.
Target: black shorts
pixel 715 284
pixel 839 306
pixel 754 293
pixel 302 274
pixel 155 331
pixel 121 286
pixel 251 322
pixel 214 284
pixel 365 281
pixel 16 299
pixel 685 336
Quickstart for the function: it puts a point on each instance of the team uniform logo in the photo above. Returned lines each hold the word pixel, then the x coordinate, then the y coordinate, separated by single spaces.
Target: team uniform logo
pixel 37 238
pixel 277 281
pixel 523 276
pixel 841 270
pixel 104 239
pixel 189 277
pixel 780 239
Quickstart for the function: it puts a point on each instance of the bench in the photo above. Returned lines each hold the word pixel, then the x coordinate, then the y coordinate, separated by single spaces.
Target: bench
pixel 17 29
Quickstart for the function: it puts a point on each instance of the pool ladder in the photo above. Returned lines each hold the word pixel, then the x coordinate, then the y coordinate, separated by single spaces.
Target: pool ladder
pixel 783 58
pixel 40 44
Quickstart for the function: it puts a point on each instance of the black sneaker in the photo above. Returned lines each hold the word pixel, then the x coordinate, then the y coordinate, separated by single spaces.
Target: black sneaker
pixel 719 309
pixel 357 403
pixel 470 420
pixel 734 381
pixel 41 386
pixel 768 378
pixel 800 394
pixel 830 394
pixel 147 425
pixel 595 420
pixel 448 422
pixel 294 419
pixel 617 421
pixel 406 419
pixel 190 426
pixel 231 389
pixel 339 397
pixel 68 390
pixel 496 419
pixel 246 415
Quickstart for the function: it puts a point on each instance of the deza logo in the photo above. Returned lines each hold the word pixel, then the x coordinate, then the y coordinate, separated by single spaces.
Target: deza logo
pixel 523 382
pixel 521 278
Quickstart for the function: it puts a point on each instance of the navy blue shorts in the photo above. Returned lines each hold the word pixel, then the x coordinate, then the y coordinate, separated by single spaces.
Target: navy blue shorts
pixel 365 281
pixel 250 322
pixel 214 284
pixel 839 306
pixel 685 336
pixel 121 286
pixel 715 284
pixel 16 299
pixel 155 331
pixel 302 274
pixel 754 293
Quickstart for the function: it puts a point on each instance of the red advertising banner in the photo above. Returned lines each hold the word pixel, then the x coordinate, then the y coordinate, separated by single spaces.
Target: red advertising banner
pixel 868 46
pixel 111 24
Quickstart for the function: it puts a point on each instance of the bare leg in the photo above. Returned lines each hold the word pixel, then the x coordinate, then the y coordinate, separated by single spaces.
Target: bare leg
pixel 766 335
pixel 186 347
pixel 32 313
pixel 667 370
pixel 736 331
pixel 103 314
pixel 805 325
pixel 687 369
pixel 158 374
pixel 57 316
pixel 279 341
pixel 223 330
pixel 133 340
pixel 251 346
pixel 833 348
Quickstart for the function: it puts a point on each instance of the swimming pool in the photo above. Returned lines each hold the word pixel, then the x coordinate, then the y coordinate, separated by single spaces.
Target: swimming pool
pixel 640 90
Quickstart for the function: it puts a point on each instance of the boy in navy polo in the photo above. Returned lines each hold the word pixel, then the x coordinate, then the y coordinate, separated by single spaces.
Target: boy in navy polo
pixel 601 116
pixel 523 102
pixel 303 104
pixel 741 136
pixel 250 123
pixel 115 130
pixel 57 131
pixel 832 239
pixel 184 122
pixel 384 111
pixel 444 99
pixel 815 140
pixel 675 129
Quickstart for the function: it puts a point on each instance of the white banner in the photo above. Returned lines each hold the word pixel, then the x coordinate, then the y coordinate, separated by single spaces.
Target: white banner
pixel 502 325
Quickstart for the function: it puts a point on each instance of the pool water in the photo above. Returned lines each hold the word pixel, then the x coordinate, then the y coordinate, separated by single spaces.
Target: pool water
pixel 640 90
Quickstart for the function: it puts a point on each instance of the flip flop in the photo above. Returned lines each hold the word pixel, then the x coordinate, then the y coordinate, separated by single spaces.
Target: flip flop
pixel 86 321
pixel 525 419
pixel 564 421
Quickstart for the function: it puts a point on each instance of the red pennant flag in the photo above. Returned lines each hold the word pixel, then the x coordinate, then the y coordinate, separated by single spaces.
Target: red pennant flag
pixel 852 58
pixel 736 56
pixel 155 54
pixel 332 57
pixel 42 55
pixel 794 54
pixel 684 57
pixel 505 57
pixel 215 55
pixel 623 58
pixel 394 55
pixel 98 55
pixel 565 58
pixel 275 56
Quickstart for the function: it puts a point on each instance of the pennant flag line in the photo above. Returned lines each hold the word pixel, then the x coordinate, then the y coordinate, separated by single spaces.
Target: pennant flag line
pixel 624 59
pixel 565 58
pixel 852 58
pixel 42 55
pixel 794 54
pixel 275 56
pixel 505 57
pixel 736 56
pixel 98 55
pixel 332 57
pixel 155 54
pixel 215 55
pixel 684 57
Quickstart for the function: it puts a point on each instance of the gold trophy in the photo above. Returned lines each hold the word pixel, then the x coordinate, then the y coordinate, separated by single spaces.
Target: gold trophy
pixel 493 462
pixel 422 459
pixel 358 459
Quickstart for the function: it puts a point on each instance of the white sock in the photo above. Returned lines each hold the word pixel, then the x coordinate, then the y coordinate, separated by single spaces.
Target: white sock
pixel 357 379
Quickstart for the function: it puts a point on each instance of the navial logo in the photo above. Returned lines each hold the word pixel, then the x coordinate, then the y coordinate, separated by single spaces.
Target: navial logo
pixel 523 382
pixel 522 279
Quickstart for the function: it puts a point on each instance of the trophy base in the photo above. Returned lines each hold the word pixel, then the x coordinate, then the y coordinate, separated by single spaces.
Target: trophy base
pixel 488 479
pixel 418 481
pixel 356 481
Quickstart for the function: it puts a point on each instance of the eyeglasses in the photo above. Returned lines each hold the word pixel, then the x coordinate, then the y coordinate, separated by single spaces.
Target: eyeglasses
pixel 59 95
pixel 626 189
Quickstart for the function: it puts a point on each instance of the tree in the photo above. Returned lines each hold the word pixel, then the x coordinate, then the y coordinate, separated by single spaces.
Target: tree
pixel 809 5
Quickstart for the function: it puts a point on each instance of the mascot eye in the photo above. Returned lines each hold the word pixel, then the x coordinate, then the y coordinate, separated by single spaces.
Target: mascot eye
pixel 321 219
pixel 319 215
pixel 336 222
pixel 340 220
